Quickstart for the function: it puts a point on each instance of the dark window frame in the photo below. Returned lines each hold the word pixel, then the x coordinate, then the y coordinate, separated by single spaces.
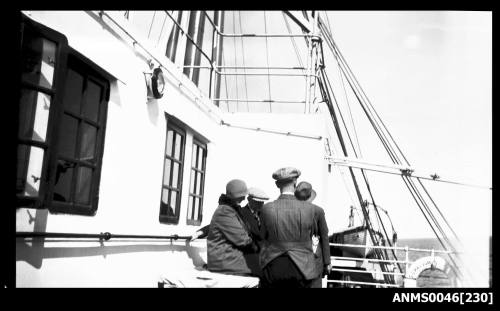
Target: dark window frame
pixel 192 219
pixel 59 74
pixel 177 129
pixel 76 63
pixel 66 57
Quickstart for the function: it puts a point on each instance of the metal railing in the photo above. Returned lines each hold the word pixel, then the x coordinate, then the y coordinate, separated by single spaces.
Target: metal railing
pixel 106 236
pixel 406 262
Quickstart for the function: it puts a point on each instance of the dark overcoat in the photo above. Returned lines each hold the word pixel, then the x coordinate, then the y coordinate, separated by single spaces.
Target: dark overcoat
pixel 228 241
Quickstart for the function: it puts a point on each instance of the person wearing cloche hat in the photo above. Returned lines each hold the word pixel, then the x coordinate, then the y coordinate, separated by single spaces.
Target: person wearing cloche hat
pixel 228 238
pixel 287 258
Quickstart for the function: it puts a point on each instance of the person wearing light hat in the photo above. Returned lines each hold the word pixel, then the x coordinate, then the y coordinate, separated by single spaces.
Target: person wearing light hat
pixel 288 224
pixel 228 238
pixel 250 213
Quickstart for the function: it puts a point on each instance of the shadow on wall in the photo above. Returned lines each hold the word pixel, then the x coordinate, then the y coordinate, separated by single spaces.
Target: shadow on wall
pixel 37 244
pixel 35 256
pixel 153 110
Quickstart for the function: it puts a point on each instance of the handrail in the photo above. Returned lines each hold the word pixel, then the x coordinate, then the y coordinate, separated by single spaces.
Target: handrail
pixel 101 236
pixel 363 283
pixel 393 247
pixel 367 271
pixel 369 259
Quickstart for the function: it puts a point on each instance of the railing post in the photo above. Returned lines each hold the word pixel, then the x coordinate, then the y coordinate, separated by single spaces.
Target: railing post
pixel 406 259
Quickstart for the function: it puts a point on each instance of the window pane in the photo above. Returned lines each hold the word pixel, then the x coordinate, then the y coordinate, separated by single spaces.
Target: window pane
pixel 64 175
pixel 200 158
pixel 170 139
pixel 88 141
pixel 67 137
pixel 73 91
pixel 165 208
pixel 191 186
pixel 190 207
pixel 83 183
pixel 177 147
pixel 93 100
pixel 198 182
pixel 34 115
pixel 196 207
pixel 38 59
pixel 175 176
pixel 29 171
pixel 193 156
pixel 173 200
pixel 22 164
pixel 166 172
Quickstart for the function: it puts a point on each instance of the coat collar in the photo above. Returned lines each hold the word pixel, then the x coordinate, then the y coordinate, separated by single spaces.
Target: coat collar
pixel 286 196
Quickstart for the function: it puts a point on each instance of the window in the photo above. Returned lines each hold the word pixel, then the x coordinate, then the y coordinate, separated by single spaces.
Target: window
pixel 197 184
pixel 62 113
pixel 79 139
pixel 172 174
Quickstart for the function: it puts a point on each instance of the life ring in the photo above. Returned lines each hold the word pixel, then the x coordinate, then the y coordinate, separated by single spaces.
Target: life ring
pixel 422 264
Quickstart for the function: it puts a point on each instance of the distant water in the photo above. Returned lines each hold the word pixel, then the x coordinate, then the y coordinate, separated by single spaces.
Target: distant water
pixel 430 278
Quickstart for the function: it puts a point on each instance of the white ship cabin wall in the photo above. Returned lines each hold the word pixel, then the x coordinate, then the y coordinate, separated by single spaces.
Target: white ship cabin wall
pixel 125 196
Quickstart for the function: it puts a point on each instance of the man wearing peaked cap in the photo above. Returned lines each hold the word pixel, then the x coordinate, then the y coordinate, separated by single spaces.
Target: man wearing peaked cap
pixel 286 174
pixel 288 224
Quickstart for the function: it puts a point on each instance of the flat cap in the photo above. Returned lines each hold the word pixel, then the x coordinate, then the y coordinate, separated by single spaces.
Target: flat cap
pixel 286 173
pixel 304 191
pixel 236 188
pixel 257 194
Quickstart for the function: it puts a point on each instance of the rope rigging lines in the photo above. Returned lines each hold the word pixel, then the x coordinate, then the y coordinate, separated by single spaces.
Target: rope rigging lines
pixel 395 154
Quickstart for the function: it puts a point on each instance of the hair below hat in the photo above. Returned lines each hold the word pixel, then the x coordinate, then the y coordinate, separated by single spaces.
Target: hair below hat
pixel 236 188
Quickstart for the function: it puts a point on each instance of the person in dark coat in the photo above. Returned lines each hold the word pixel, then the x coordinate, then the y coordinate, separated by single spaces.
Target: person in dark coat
pixel 228 237
pixel 305 192
pixel 250 214
pixel 287 258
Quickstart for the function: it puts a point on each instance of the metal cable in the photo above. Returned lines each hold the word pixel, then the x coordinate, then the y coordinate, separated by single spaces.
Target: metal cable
pixel 267 60
pixel 235 61
pixel 243 60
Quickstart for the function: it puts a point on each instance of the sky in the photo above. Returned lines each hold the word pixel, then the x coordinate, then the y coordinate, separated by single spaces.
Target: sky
pixel 428 75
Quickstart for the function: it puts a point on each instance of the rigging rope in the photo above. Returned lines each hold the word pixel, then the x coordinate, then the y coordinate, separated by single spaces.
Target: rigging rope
pixel 297 53
pixel 435 205
pixel 161 30
pixel 152 22
pixel 235 62
pixel 364 95
pixel 225 78
pixel 243 60
pixel 267 60
pixel 374 118
pixel 327 98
